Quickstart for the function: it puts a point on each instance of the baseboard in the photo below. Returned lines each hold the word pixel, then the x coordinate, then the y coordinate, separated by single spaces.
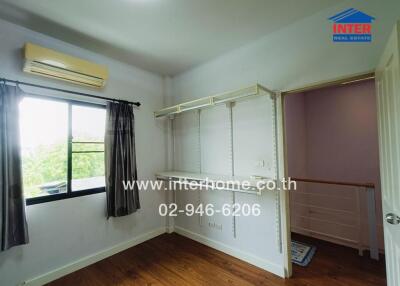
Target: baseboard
pixel 242 255
pixel 88 260
pixel 170 229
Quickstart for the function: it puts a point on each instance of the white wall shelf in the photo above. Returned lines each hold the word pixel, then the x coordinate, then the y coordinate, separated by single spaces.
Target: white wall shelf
pixel 222 137
pixel 230 96
pixel 203 180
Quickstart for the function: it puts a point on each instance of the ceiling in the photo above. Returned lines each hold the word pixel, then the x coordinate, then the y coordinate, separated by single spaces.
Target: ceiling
pixel 162 36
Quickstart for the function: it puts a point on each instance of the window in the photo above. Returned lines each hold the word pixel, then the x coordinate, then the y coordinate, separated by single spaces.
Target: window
pixel 88 126
pixel 62 149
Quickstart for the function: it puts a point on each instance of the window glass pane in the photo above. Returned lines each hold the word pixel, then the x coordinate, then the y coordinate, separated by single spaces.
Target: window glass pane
pixel 44 132
pixel 87 171
pixel 88 124
pixel 88 130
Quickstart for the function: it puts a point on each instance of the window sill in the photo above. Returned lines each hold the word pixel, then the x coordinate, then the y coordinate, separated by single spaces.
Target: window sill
pixel 63 196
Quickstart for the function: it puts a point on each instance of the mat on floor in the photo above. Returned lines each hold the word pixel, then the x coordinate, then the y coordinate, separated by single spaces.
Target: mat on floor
pixel 302 253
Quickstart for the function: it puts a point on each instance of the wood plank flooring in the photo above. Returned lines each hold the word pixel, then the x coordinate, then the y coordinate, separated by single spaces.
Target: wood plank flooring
pixel 171 259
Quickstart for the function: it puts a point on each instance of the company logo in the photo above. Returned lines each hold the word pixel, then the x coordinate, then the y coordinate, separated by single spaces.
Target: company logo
pixel 351 25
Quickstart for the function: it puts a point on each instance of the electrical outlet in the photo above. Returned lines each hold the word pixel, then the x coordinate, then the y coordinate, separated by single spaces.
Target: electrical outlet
pixel 215 225
pixel 260 164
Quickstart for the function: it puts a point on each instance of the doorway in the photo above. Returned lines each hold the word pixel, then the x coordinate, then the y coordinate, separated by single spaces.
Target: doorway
pixel 331 138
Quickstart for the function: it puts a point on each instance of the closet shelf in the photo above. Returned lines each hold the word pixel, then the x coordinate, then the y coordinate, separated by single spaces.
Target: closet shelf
pixel 230 96
pixel 203 180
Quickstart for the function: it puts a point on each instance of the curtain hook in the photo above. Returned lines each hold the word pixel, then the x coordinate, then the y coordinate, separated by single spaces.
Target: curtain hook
pixel 3 85
pixel 18 85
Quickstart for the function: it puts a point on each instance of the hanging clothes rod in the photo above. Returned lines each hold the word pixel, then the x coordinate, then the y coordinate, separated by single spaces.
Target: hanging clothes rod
pixel 68 91
pixel 208 101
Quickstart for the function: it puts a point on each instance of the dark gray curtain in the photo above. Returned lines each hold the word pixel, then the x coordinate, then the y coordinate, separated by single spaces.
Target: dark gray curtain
pixel 14 230
pixel 120 157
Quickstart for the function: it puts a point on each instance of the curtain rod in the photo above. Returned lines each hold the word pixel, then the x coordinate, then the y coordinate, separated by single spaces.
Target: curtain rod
pixel 69 91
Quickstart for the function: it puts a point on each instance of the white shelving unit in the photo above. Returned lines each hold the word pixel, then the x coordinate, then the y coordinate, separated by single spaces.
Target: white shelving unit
pixel 223 98
pixel 203 181
pixel 206 102
pixel 226 183
pixel 209 101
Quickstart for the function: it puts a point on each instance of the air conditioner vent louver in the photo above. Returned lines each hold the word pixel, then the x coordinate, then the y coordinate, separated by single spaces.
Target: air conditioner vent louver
pixel 49 63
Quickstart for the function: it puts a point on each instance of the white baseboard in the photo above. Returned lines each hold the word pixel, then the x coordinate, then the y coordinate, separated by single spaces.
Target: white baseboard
pixel 250 258
pixel 88 260
pixel 170 229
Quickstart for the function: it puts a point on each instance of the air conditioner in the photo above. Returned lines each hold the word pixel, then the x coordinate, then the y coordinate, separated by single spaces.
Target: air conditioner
pixel 50 63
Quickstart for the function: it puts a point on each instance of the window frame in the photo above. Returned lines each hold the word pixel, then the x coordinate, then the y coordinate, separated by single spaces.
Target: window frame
pixel 69 194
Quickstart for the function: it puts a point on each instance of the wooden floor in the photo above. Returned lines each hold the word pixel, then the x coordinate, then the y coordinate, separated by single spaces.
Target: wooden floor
pixel 171 259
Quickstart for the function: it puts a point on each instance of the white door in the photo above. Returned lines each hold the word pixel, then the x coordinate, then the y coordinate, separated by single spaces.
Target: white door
pixel 388 93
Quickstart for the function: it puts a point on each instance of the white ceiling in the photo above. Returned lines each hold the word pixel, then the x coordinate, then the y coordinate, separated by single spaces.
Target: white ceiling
pixel 163 36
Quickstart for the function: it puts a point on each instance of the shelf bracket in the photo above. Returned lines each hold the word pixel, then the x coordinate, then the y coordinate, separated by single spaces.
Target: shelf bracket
pixel 212 101
pixel 273 95
pixel 230 104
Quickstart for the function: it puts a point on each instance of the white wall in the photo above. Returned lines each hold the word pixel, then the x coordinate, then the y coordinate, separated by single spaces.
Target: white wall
pixel 299 54
pixel 64 231
pixel 293 56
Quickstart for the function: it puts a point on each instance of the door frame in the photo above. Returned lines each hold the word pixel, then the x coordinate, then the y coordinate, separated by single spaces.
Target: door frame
pixel 282 154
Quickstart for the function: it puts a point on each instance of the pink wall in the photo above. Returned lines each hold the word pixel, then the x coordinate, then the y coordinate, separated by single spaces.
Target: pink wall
pixel 331 134
pixel 296 134
pixel 342 135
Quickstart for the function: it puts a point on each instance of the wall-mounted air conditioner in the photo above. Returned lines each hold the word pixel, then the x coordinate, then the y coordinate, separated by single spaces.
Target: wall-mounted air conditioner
pixel 50 63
